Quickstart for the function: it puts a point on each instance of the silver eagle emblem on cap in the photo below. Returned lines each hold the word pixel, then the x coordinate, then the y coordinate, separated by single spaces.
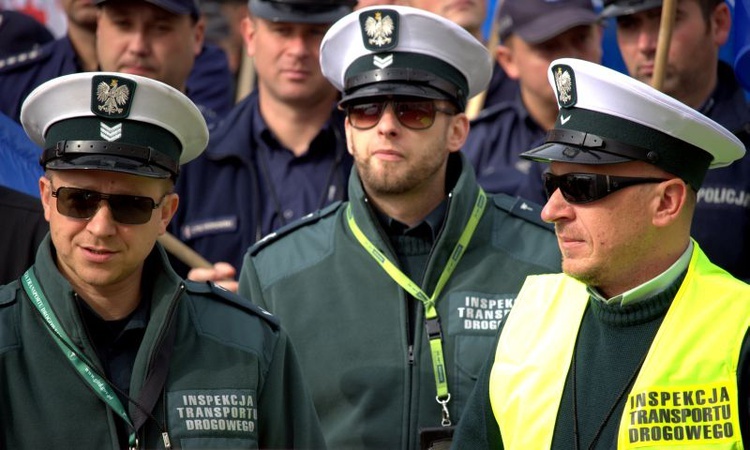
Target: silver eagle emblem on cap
pixel 111 96
pixel 379 29
pixel 564 84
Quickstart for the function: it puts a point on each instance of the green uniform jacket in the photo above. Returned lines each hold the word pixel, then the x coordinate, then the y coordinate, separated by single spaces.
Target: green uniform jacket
pixel 231 369
pixel 349 320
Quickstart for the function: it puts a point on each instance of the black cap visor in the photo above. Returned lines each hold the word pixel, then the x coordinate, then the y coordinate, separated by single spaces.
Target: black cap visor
pixel 566 153
pixel 393 88
pixel 108 163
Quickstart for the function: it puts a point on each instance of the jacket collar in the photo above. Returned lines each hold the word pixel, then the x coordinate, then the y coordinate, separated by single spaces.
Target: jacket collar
pixel 61 295
pixel 460 205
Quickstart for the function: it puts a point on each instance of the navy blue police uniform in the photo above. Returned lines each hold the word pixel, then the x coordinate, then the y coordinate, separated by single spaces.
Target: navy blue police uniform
pixel 497 138
pixel 21 73
pixel 501 89
pixel 209 84
pixel 246 184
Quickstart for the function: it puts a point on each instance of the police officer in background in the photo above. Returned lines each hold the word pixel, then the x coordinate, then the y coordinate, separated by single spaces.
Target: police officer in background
pixel 642 342
pixel 22 229
pixel 532 34
pixel 280 154
pixel 115 349
pixel 696 76
pixel 209 83
pixel 393 298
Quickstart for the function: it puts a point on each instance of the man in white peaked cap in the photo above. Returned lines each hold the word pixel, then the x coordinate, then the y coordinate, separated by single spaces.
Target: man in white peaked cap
pixel 117 350
pixel 393 298
pixel 642 342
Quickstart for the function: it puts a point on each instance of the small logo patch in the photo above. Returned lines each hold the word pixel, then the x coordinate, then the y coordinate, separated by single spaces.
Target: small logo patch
pixel 565 84
pixel 379 29
pixel 111 97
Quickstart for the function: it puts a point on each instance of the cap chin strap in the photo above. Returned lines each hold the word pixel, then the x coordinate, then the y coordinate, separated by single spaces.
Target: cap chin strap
pixel 409 76
pixel 147 155
pixel 588 141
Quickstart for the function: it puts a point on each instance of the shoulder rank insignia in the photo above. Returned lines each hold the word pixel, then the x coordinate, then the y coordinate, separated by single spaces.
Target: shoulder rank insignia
pixel 379 29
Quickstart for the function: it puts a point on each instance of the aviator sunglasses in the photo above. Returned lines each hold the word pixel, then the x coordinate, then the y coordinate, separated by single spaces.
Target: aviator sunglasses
pixel 413 114
pixel 588 187
pixel 83 204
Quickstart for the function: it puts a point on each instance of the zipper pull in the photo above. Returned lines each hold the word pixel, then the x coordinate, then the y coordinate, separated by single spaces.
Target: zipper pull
pixel 411 355
pixel 167 442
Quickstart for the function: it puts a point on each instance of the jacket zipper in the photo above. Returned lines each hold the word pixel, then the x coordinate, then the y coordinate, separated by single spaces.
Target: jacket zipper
pixel 169 317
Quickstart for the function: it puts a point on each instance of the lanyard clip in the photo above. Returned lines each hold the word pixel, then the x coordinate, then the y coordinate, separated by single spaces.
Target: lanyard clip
pixel 434 330
pixel 446 414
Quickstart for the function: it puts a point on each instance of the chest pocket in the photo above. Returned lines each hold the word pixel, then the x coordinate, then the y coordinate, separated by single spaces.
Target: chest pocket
pixel 473 321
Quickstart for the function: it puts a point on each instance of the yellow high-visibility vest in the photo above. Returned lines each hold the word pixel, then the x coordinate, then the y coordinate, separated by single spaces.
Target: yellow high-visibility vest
pixel 685 394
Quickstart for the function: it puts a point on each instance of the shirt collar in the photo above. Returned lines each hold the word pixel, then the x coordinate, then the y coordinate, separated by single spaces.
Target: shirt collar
pixel 652 287
pixel 432 223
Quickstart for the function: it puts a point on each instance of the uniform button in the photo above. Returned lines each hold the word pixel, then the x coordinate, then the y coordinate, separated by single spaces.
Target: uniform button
pixel 288 214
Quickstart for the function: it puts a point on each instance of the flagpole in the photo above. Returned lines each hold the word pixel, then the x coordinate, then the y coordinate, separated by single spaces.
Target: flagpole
pixel 668 11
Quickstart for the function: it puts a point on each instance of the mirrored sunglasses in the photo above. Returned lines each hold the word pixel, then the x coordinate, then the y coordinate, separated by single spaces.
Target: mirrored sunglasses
pixel 588 187
pixel 83 204
pixel 413 114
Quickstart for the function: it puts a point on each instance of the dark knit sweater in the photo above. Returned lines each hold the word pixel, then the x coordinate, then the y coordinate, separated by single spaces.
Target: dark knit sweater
pixel 612 343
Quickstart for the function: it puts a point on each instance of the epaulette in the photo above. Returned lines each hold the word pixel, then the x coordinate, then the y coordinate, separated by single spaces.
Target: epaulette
pixel 491 112
pixel 743 133
pixel 10 293
pixel 309 219
pixel 217 292
pixel 522 208
pixel 23 59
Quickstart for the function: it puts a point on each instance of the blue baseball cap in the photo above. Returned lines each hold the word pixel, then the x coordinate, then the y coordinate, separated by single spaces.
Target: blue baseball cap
pixel 179 7
pixel 301 11
pixel 537 21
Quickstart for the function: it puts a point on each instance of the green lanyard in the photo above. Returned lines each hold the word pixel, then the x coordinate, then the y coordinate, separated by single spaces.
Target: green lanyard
pixel 432 322
pixel 100 386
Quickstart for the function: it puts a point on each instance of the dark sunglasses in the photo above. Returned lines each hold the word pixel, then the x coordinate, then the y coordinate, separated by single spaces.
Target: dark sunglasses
pixel 83 204
pixel 414 114
pixel 589 187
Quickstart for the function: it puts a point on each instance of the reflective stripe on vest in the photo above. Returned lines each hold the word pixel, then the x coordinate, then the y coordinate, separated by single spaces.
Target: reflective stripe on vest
pixel 685 393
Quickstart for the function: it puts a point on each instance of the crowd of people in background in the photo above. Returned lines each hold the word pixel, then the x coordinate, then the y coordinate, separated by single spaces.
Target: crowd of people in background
pixel 377 184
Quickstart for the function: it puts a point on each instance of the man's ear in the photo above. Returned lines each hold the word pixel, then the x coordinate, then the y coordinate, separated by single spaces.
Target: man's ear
pixel 248 30
pixel 45 193
pixel 458 132
pixel 168 210
pixel 721 22
pixel 506 58
pixel 673 195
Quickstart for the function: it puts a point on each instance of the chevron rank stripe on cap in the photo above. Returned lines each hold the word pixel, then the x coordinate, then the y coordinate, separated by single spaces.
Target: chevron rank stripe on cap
pixel 607 117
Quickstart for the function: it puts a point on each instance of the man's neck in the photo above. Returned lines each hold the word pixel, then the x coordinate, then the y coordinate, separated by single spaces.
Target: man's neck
pixel 293 126
pixel 410 208
pixel 543 114
pixel 111 302
pixel 84 44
